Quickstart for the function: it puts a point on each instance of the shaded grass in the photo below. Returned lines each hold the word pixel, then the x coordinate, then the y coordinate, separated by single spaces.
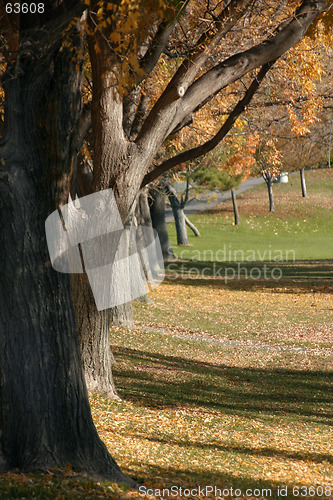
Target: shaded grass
pixel 234 390
pixel 57 484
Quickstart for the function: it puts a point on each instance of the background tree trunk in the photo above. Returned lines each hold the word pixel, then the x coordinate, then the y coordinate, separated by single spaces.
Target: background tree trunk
pixel 190 224
pixel 143 218
pixel 270 195
pixel 234 204
pixel 178 214
pixel 94 334
pixel 303 185
pixel 157 212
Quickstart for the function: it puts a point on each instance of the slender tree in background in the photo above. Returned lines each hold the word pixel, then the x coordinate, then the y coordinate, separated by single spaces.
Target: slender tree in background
pixel 156 202
pixel 303 184
pixel 178 212
pixel 234 204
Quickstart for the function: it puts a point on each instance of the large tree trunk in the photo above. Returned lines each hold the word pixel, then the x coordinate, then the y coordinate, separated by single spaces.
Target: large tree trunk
pixel 45 414
pixel 45 418
pixel 303 185
pixel 110 153
pixel 157 212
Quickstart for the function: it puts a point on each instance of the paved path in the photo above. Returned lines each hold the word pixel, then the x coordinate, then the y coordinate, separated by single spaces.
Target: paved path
pixel 241 344
pixel 200 205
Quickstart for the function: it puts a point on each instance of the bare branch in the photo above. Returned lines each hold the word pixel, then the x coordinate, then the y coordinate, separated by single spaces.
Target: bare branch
pixel 157 46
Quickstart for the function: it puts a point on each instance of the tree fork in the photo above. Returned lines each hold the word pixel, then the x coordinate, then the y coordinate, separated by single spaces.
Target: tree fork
pixel 193 153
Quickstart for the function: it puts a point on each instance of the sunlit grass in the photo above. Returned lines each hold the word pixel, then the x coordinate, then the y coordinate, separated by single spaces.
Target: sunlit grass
pixel 299 228
pixel 295 312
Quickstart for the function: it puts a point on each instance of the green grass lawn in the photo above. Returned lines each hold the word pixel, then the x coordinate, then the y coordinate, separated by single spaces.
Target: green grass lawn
pixel 300 228
pixel 226 379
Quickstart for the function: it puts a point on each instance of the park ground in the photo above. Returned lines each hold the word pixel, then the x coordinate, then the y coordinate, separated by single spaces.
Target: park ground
pixel 226 379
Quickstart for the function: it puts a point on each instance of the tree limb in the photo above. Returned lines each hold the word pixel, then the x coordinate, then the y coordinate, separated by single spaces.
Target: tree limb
pixel 178 101
pixel 188 70
pixel 157 46
pixel 230 70
pixel 193 153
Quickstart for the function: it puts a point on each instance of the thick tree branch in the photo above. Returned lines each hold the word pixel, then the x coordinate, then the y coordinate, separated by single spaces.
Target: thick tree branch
pixel 193 153
pixel 157 46
pixel 190 67
pixel 225 73
pixel 199 55
pixel 177 101
pixel 148 62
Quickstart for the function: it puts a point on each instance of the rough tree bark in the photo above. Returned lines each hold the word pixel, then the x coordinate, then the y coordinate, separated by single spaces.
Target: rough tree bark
pixel 94 328
pixel 45 418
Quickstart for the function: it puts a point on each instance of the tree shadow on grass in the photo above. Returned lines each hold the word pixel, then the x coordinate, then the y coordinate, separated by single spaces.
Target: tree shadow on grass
pixel 227 483
pixel 157 380
pixel 244 450
pixel 305 277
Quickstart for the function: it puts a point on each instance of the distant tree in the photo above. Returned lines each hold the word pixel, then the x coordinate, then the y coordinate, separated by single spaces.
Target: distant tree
pixel 227 166
pixel 156 201
pixel 178 202
pixel 268 164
